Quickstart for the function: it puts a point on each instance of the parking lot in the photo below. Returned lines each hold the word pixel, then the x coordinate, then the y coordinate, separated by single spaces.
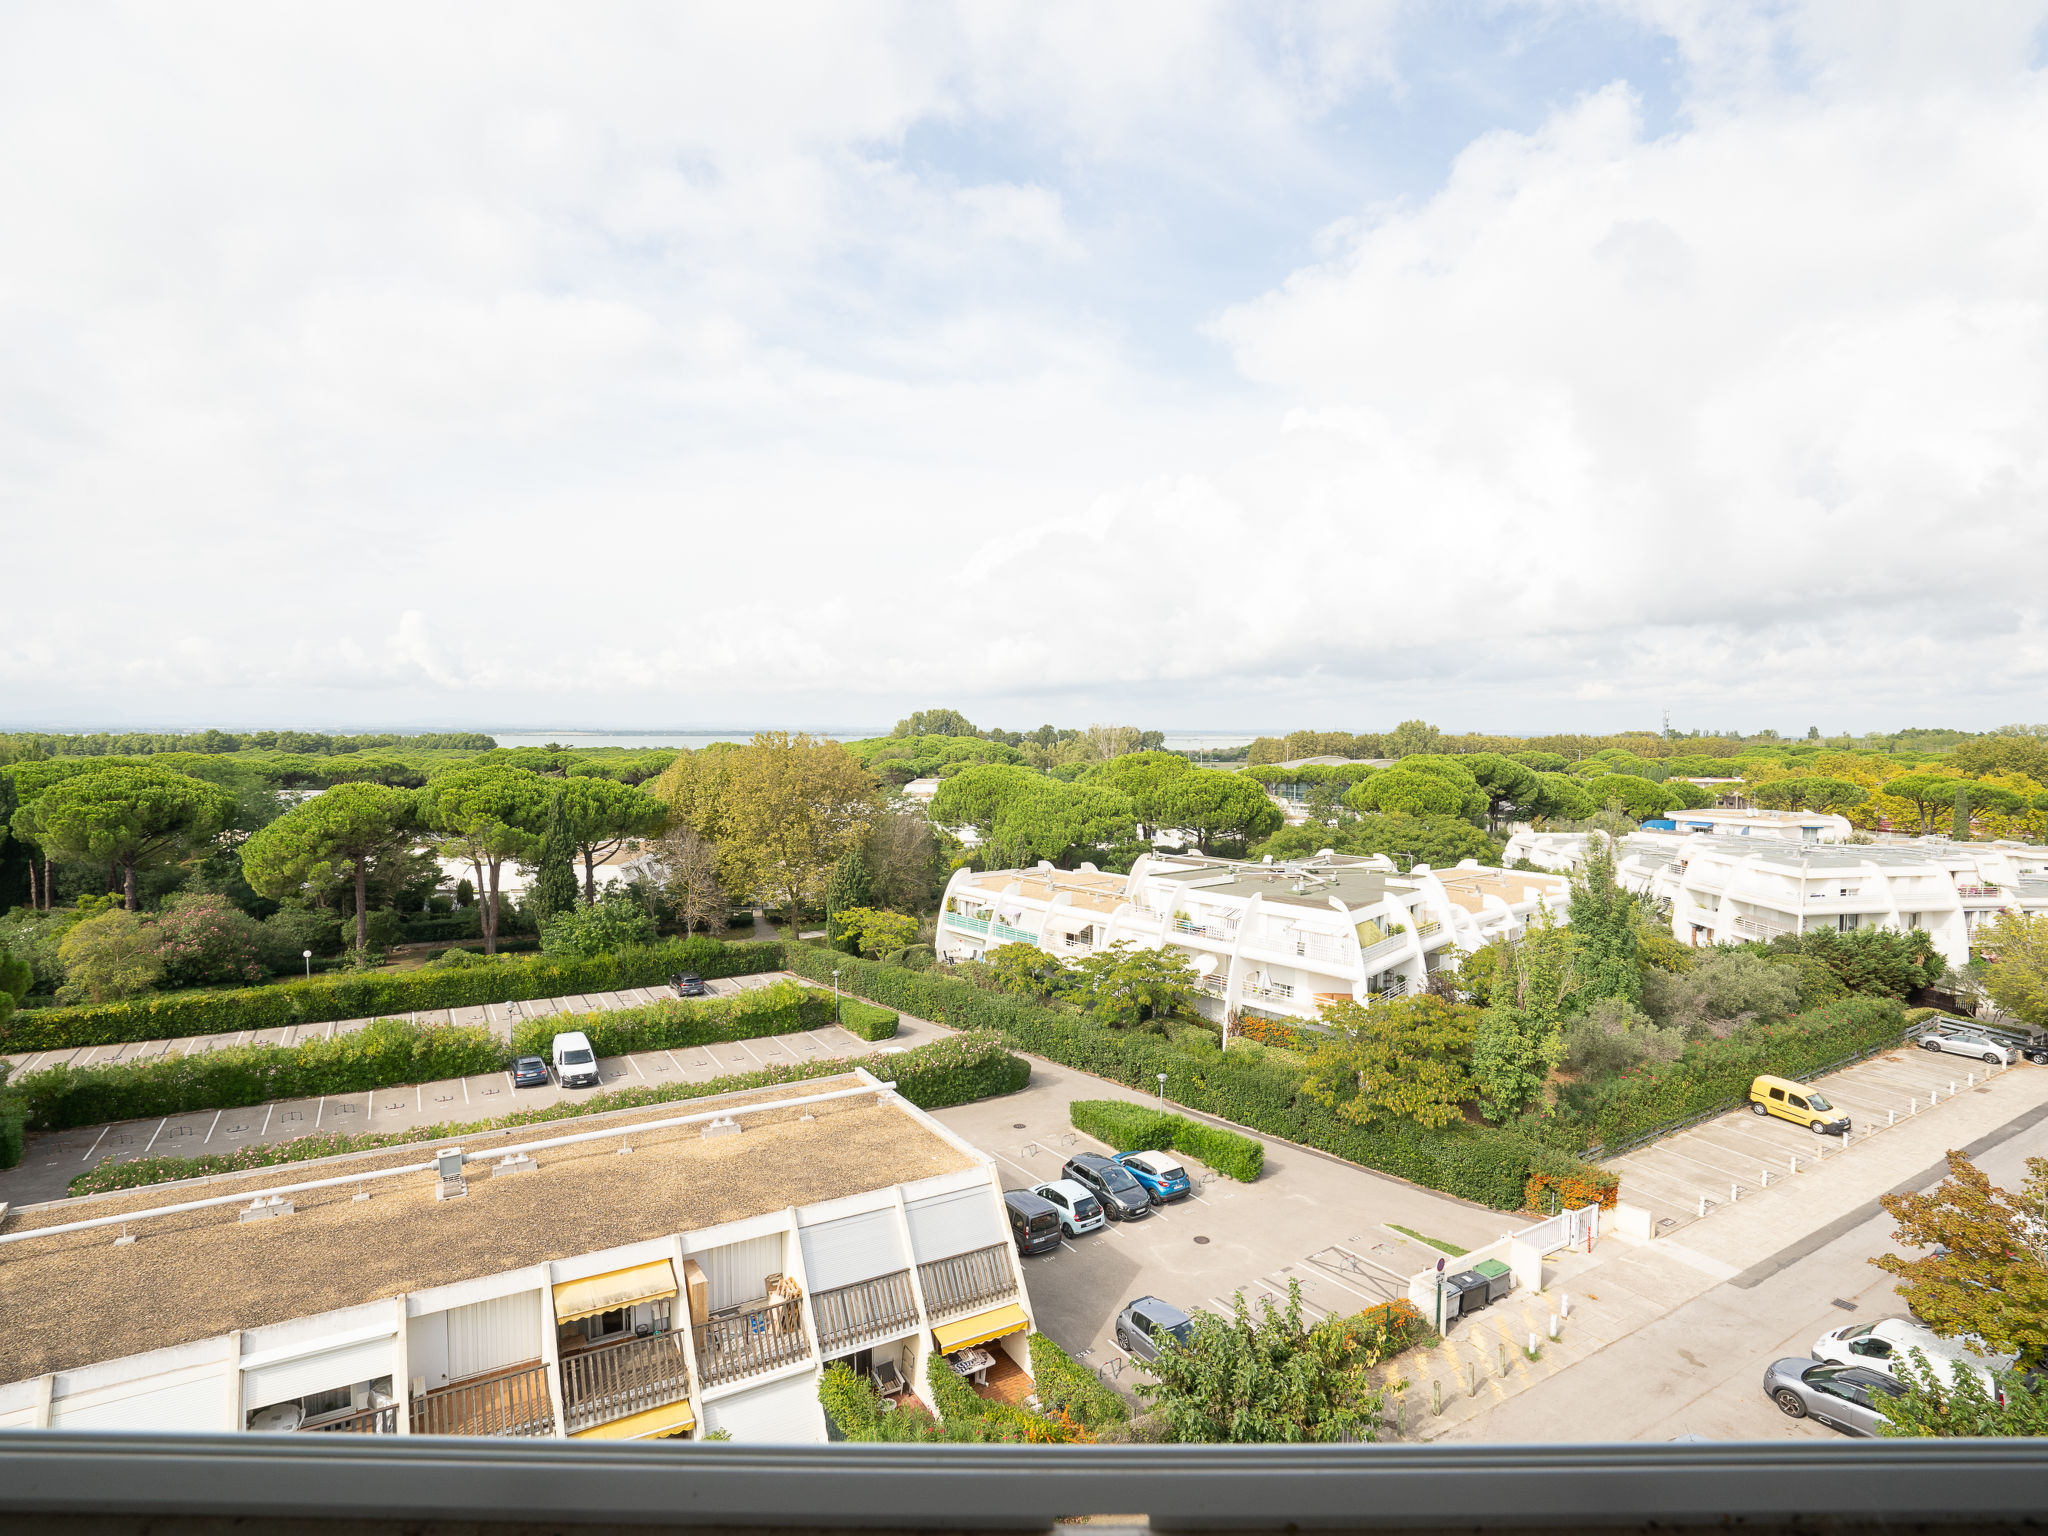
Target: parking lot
pixel 1307 1218
pixel 1741 1153
pixel 53 1160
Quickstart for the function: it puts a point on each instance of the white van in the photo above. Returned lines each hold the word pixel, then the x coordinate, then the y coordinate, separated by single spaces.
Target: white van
pixel 575 1061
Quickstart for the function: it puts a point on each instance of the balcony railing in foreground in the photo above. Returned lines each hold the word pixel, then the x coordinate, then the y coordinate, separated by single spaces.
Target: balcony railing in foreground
pixel 967 1280
pixel 631 1376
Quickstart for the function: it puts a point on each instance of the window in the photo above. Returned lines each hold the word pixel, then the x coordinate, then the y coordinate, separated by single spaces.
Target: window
pixel 1778 1094
pixel 1871 1349
pixel 1796 1102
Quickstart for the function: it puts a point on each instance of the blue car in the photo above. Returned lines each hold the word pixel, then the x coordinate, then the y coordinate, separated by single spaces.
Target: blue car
pixel 1163 1178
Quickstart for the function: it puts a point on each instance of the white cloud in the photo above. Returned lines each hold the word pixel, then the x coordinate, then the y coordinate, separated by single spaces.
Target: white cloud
pixel 668 365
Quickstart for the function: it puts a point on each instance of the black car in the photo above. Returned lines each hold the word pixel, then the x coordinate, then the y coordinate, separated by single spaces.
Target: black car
pixel 529 1072
pixel 688 985
pixel 1034 1223
pixel 1123 1197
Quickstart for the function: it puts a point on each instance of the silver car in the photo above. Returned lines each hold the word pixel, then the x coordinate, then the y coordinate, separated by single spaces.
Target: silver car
pixel 1849 1398
pixel 1148 1325
pixel 1963 1040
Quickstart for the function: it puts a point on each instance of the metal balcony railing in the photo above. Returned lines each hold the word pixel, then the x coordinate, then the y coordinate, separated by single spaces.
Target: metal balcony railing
pixel 1003 931
pixel 1763 927
pixel 1222 933
pixel 615 1380
pixel 513 1402
pixel 729 1348
pixel 967 1279
pixel 1386 949
pixel 850 1313
pixel 967 924
pixel 1278 991
pixel 371 1421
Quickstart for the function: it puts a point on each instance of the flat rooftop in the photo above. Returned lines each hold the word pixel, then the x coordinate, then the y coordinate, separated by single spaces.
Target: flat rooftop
pixel 74 1299
pixel 1092 891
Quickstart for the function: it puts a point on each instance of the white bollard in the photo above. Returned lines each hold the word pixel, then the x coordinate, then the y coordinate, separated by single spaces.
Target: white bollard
pixel 1765 1182
pixel 1951 1087
pixel 1564 1306
pixel 1891 1117
pixel 1703 1205
pixel 1734 1193
pixel 1795 1163
pixel 1912 1108
pixel 1970 1080
pixel 1553 1325
pixel 1532 1346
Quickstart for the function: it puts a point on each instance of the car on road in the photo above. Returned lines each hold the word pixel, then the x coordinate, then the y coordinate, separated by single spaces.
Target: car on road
pixel 1034 1222
pixel 529 1072
pixel 1079 1210
pixel 575 1061
pixel 689 985
pixel 1958 1039
pixel 1163 1178
pixel 1123 1197
pixel 1880 1344
pixel 1849 1398
pixel 1798 1103
pixel 1147 1325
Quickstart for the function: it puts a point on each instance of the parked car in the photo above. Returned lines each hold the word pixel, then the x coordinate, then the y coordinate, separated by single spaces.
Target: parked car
pixel 1798 1103
pixel 2032 1046
pixel 1846 1397
pixel 575 1061
pixel 529 1072
pixel 1163 1178
pixel 689 985
pixel 1960 1039
pixel 1034 1221
pixel 1880 1344
pixel 1123 1197
pixel 1079 1211
pixel 1144 1327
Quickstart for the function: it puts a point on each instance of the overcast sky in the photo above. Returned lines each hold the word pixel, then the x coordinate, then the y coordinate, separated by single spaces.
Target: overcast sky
pixel 1525 367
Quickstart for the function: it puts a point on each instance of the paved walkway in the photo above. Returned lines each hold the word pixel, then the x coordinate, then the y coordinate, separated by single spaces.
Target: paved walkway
pixel 54 1158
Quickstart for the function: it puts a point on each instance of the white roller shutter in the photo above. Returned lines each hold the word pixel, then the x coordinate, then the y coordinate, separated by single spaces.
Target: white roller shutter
pixel 491 1334
pixel 198 1404
pixel 737 1272
pixel 943 1225
pixel 852 1249
pixel 327 1371
pixel 786 1413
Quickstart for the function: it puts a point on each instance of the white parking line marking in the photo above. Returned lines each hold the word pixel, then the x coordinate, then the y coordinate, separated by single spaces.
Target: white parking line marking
pixel 419 1101
pixel 1354 1290
pixel 465 1090
pixel 268 1111
pixel 1068 1246
pixel 743 1046
pixel 158 1131
pixel 95 1143
pixel 1395 1274
pixel 636 1067
pixel 1305 1306
pixel 211 1128
pixel 318 1113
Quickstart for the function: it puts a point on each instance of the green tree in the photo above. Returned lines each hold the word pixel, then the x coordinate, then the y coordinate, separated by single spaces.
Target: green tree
pixel 107 956
pixel 1509 786
pixel 852 885
pixel 2017 978
pixel 1126 987
pixel 203 938
pixel 1723 991
pixel 615 921
pixel 554 886
pixel 486 816
pixel 1958 1405
pixel 1168 794
pixel 17 980
pixel 1959 821
pixel 1984 1273
pixel 1026 970
pixel 1640 798
pixel 936 722
pixel 1406 791
pixel 1930 793
pixel 1560 797
pixel 603 815
pixel 1606 923
pixel 874 933
pixel 1271 1379
pixel 133 818
pixel 1438 841
pixel 1812 793
pixel 1512 1054
pixel 1411 737
pixel 344 832
pixel 1406 1059
pixel 686 870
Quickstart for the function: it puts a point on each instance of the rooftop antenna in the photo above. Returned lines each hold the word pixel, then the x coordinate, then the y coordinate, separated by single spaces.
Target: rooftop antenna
pixel 1667 723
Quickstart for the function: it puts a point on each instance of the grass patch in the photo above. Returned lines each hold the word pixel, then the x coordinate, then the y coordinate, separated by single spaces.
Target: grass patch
pixel 1435 1242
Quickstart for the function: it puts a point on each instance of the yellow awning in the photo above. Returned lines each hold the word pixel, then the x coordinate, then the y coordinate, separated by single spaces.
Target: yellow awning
pixel 620 1288
pixel 654 1424
pixel 980 1328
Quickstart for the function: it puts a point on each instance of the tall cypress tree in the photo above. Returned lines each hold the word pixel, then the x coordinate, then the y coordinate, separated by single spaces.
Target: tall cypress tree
pixel 1959 822
pixel 852 884
pixel 554 884
pixel 1605 922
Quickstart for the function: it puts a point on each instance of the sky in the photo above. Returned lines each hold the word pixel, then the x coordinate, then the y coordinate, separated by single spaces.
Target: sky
pixel 1519 366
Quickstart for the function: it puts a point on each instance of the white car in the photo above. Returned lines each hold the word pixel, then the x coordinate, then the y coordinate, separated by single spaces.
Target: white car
pixel 1079 1210
pixel 575 1061
pixel 1880 1345
pixel 1961 1040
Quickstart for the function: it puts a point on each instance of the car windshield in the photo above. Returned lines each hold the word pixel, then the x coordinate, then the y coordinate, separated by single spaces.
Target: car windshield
pixel 1118 1179
pixel 1181 1332
pixel 576 1058
pixel 1815 1101
pixel 1044 1221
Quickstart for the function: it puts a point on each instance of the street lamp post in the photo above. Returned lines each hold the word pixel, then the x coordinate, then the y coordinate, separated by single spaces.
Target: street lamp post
pixel 1162 1090
pixel 309 963
pixel 835 994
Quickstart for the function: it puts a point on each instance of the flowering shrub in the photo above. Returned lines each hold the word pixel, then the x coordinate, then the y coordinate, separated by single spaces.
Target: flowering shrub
pixel 205 938
pixel 1263 1031
pixel 1573 1191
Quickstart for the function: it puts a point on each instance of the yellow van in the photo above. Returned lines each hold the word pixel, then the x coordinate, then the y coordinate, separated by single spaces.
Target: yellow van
pixel 1796 1102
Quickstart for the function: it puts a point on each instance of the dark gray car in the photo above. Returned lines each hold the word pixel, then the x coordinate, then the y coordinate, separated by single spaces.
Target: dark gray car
pixel 1846 1397
pixel 1143 1327
pixel 1123 1197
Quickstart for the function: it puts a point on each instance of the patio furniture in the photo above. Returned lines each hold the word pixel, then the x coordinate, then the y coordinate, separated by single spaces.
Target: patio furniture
pixel 888 1381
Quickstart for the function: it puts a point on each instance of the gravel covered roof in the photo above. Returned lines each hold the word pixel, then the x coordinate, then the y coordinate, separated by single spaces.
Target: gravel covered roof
pixel 71 1300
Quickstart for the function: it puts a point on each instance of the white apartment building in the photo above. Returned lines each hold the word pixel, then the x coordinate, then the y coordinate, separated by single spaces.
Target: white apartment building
pixel 1786 826
pixel 1725 890
pixel 1281 939
pixel 665 1276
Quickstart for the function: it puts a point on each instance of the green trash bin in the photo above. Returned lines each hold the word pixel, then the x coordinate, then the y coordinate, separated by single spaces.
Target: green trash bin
pixel 1499 1280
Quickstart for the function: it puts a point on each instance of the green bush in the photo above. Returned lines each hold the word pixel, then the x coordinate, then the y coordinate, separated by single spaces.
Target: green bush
pixel 369 994
pixel 866 1020
pixel 13 1118
pixel 1134 1128
pixel 673 1023
pixel 1066 1386
pixel 933 1076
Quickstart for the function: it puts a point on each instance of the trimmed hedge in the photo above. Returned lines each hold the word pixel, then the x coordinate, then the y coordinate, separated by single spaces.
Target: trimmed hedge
pixel 1133 1127
pixel 1066 1386
pixel 664 1026
pixel 932 1076
pixel 866 1020
pixel 1480 1163
pixel 372 994
pixel 13 1119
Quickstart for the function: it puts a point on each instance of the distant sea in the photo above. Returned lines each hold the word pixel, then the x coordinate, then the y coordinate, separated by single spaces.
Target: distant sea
pixel 1190 741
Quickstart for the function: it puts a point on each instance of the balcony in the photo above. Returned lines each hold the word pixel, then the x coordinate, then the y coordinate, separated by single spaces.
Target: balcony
pixel 1386 949
pixel 1398 987
pixel 967 1280
pixel 1216 933
pixel 613 1381
pixel 1764 928
pixel 851 1314
pixel 1075 943
pixel 1424 929
pixel 1276 992
pixel 514 1401
pixel 1979 890
pixel 371 1421
pixel 1003 933
pixel 730 1348
pixel 965 923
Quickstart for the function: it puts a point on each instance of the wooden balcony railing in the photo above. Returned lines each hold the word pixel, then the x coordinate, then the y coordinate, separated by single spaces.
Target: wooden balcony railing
pixel 967 1279
pixel 371 1421
pixel 631 1376
pixel 729 1348
pixel 850 1313
pixel 512 1402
